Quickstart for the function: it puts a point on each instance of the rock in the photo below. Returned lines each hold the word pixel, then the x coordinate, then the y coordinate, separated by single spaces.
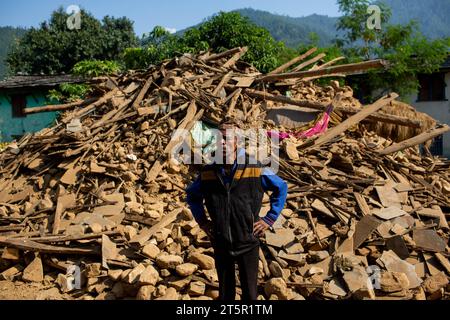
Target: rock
pixel 145 292
pixel 93 270
pixel 151 251
pixel 276 270
pixel 168 261
pixel 420 294
pixel 204 261
pixel 196 288
pixel 186 269
pixel 393 263
pixel 130 232
pixel 133 275
pixel 171 294
pixel 145 126
pixel 45 204
pixel 133 207
pixel 11 254
pixel 393 281
pixel 280 238
pixel 10 273
pixel 114 274
pixel 65 283
pixel 336 288
pixel 34 272
pixel 276 286
pixel 164 273
pixel 317 256
pixel 118 290
pixel 180 284
pixel 389 213
pixel 212 293
pixel 96 227
pixel 435 283
pixel 315 270
pixel 358 283
pixel 149 276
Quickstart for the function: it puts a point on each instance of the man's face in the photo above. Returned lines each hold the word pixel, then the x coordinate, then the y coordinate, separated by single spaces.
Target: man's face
pixel 228 143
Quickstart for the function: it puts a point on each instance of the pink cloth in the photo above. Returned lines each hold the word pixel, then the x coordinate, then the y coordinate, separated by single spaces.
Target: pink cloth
pixel 320 127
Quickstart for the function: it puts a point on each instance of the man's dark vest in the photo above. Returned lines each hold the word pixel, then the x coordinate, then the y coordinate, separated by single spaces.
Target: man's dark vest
pixel 233 208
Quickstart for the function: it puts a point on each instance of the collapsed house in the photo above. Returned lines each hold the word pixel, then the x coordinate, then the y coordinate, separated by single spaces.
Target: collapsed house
pixel 366 215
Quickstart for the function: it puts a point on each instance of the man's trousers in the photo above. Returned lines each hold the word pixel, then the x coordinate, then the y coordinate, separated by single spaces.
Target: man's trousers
pixel 248 274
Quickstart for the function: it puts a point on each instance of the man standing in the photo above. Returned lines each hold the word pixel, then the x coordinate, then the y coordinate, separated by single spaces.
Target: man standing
pixel 232 191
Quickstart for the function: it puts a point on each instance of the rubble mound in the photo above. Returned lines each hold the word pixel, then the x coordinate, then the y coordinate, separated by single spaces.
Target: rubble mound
pixel 96 206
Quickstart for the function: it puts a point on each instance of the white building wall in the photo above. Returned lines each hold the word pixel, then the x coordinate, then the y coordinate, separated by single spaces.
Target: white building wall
pixel 439 110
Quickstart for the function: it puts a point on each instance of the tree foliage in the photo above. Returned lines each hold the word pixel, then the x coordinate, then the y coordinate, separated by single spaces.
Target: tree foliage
pixel 219 33
pixel 53 48
pixel 407 50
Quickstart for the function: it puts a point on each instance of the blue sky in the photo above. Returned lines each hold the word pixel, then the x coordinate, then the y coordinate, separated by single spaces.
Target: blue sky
pixel 176 14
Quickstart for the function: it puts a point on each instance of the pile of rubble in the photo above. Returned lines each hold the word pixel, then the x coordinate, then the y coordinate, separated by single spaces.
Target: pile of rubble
pixel 95 207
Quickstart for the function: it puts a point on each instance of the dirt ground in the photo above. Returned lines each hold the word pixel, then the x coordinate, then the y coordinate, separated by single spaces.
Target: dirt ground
pixel 29 291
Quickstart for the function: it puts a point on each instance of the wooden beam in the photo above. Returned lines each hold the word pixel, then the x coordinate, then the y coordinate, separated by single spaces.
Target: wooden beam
pixel 235 58
pixel 345 69
pixel 91 107
pixel 223 54
pixel 348 123
pixel 142 93
pixel 421 138
pixel 375 117
pixel 146 234
pixel 29 245
pixel 59 107
pixel 293 61
pixel 222 82
pixel 233 102
pixel 309 62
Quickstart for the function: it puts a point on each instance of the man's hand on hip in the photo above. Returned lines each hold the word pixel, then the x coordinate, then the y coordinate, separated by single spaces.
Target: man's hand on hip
pixel 260 227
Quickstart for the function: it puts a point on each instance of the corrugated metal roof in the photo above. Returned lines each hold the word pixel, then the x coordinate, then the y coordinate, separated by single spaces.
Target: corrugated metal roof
pixel 39 81
pixel 446 64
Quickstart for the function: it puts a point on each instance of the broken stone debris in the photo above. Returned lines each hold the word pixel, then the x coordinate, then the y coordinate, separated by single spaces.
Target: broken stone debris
pixel 99 192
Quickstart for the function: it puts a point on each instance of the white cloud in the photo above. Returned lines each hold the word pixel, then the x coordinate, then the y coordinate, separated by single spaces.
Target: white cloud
pixel 171 30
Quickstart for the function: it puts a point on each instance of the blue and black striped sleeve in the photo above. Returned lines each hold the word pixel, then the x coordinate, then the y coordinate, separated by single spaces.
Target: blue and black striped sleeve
pixel 195 201
pixel 271 182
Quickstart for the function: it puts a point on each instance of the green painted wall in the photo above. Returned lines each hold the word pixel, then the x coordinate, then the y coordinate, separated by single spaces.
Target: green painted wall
pixel 10 127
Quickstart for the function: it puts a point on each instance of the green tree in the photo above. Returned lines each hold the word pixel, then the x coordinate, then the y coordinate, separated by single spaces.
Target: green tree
pixel 53 48
pixel 219 33
pixel 407 50
pixel 228 30
pixel 156 46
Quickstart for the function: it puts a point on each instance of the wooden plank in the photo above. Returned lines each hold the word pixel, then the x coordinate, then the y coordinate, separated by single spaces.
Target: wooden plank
pixel 293 61
pixel 59 107
pixel 362 204
pixel 329 63
pixel 233 102
pixel 223 54
pixel 91 107
pixel 443 261
pixel 29 245
pixel 375 117
pixel 89 236
pixel 348 123
pixel 222 82
pixel 65 202
pixel 147 233
pixel 142 93
pixel 309 62
pixel 235 58
pixel 421 138
pixel 345 69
